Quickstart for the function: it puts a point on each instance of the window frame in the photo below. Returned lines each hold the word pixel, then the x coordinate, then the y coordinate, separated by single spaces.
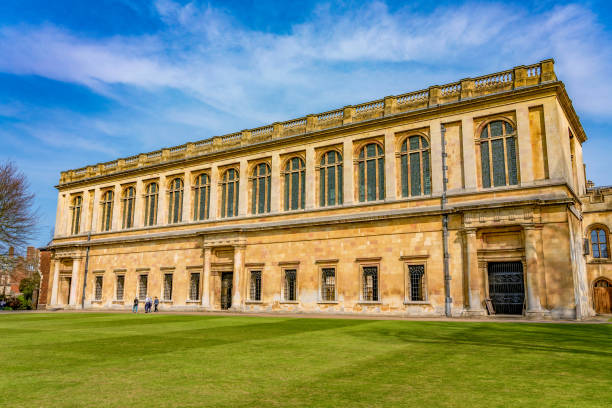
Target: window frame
pixel 95 298
pixel 162 296
pixel 323 167
pixel 405 179
pixel 362 266
pixel 284 270
pixel 200 189
pixel 408 283
pixel 504 137
pixel 107 203
pixel 140 276
pixel 224 184
pixel 117 276
pixel 251 271
pixel 198 286
pixel 127 213
pixel 287 182
pixel 321 269
pixel 175 196
pixel 77 212
pixel 605 244
pixel 255 183
pixel 379 157
pixel 150 220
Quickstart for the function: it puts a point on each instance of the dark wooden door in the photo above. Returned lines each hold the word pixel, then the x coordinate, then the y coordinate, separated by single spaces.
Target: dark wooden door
pixel 506 287
pixel 226 290
pixel 602 296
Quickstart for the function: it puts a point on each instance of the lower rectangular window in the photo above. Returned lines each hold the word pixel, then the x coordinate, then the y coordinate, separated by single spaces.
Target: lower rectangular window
pixel 194 286
pixel 168 286
pixel 143 281
pixel 98 287
pixel 255 286
pixel 328 284
pixel 120 287
pixel 290 286
pixel 416 281
pixel 370 284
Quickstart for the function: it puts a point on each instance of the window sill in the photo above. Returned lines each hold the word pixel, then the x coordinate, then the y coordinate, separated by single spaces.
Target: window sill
pixel 192 301
pixel 118 302
pixel 417 302
pixel 96 301
pixel 248 302
pixel 328 302
pixel 166 301
pixel 599 261
pixel 289 302
pixel 370 302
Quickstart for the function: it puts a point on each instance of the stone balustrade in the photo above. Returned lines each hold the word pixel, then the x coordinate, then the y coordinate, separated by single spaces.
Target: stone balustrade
pixel 518 77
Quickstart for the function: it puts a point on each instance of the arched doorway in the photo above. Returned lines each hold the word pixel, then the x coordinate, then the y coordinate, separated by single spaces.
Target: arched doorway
pixel 602 296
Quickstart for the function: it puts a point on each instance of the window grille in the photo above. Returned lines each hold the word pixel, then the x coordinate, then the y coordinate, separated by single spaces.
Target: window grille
pixel 76 214
pixel 142 286
pixel 370 284
pixel 295 184
pixel 201 198
pixel 328 284
pixel 107 210
pixel 417 282
pixel 290 285
pixel 168 286
pixel 120 287
pixel 98 287
pixel 261 189
pixel 255 286
pixel 330 179
pixel 416 171
pixel 129 199
pixel 194 286
pixel 229 193
pixel 175 201
pixel 498 154
pixel 599 243
pixel 371 173
pixel 151 204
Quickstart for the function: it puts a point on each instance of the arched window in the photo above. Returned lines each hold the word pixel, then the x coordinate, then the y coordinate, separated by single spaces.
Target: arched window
pixel 599 243
pixel 129 196
pixel 498 154
pixel 107 210
pixel 229 193
pixel 175 201
pixel 76 214
pixel 201 200
pixel 295 184
pixel 261 189
pixel 416 170
pixel 151 204
pixel 371 173
pixel 330 179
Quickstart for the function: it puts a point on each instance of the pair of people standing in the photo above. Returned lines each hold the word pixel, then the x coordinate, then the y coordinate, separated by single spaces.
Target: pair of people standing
pixel 148 304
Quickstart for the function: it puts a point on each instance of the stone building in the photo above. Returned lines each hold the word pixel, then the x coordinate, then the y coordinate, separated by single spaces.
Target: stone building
pixel 348 211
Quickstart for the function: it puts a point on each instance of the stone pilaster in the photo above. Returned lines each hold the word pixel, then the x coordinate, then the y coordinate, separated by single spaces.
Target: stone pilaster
pixel 390 182
pixel 116 214
pixel 74 281
pixel 243 188
pixel 239 251
pixel 162 199
pixel 473 276
pixel 96 211
pixel 533 270
pixel 469 153
pixel 310 178
pixel 275 180
pixel 187 198
pixel 214 192
pixel 55 283
pixel 436 157
pixel 347 168
pixel 139 205
pixel 206 298
pixel 59 214
pixel 525 153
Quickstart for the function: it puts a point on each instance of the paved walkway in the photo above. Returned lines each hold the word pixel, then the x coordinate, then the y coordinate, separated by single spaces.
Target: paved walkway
pixel 600 319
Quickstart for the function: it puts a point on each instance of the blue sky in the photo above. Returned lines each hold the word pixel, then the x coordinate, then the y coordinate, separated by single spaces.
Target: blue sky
pixel 85 82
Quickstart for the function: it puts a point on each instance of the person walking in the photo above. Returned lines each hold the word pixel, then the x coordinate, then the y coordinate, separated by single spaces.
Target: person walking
pixel 148 304
pixel 135 307
pixel 156 303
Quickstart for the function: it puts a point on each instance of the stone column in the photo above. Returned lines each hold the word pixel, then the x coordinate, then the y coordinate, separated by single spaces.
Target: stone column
pixel 525 154
pixel 206 278
pixel 436 157
pixel 533 269
pixel 187 198
pixel 84 224
pixel 74 281
pixel 238 271
pixel 116 215
pixel 472 274
pixel 55 284
pixel 58 215
pixel 310 178
pixel 276 182
pixel 243 185
pixel 162 210
pixel 139 205
pixel 390 181
pixel 469 153
pixel 347 168
pixel 214 190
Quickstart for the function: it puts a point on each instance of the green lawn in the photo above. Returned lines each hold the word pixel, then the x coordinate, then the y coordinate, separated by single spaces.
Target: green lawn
pixel 125 360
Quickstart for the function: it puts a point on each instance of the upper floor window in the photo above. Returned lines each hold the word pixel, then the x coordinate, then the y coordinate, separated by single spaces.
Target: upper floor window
pixel 261 189
pixel 498 154
pixel 175 201
pixel 295 184
pixel 599 243
pixel 151 194
pixel 229 193
pixel 330 179
pixel 371 173
pixel 107 210
pixel 129 198
pixel 201 199
pixel 416 170
pixel 77 203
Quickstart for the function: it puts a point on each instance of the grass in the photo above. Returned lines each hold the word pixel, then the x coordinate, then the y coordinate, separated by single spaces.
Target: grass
pixel 125 360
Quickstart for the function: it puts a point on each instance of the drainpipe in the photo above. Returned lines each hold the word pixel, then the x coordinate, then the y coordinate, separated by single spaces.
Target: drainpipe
pixel 447 278
pixel 85 276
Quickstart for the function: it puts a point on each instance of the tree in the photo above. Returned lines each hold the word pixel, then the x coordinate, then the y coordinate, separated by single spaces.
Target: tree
pixel 18 218
pixel 28 286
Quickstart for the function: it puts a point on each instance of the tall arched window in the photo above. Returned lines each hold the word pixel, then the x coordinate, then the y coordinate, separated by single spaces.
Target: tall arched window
pixel 151 194
pixel 330 179
pixel 229 193
pixel 295 184
pixel 129 198
pixel 76 214
pixel 107 210
pixel 261 189
pixel 599 243
pixel 175 201
pixel 201 200
pixel 416 170
pixel 498 154
pixel 371 173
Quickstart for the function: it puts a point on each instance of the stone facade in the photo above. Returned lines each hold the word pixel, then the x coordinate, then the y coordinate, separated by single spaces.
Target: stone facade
pixel 498 159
